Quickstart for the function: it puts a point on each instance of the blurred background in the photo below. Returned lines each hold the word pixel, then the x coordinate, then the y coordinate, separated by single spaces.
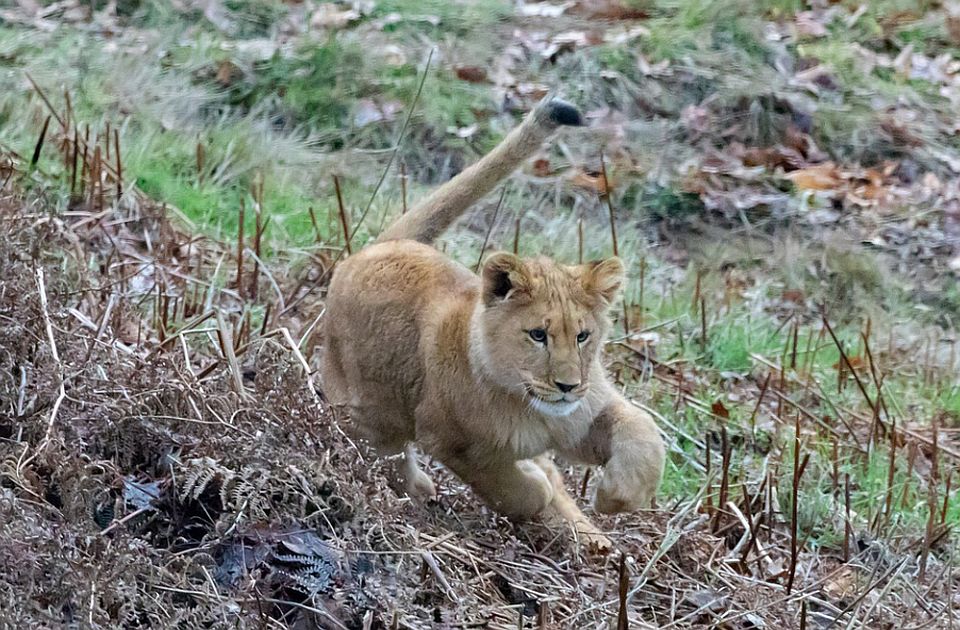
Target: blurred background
pixel 780 178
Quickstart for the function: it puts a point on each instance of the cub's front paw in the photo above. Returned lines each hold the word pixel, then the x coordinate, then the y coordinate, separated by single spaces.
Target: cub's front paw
pixel 592 539
pixel 630 478
pixel 420 487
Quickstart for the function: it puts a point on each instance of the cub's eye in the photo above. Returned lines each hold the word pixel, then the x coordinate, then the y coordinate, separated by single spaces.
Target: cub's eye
pixel 583 336
pixel 539 335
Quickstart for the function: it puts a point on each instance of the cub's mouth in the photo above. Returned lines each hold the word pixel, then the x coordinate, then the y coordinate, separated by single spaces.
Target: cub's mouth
pixel 550 402
pixel 557 408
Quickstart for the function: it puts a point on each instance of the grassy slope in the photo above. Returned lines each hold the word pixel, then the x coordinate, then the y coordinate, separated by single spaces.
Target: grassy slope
pixel 289 119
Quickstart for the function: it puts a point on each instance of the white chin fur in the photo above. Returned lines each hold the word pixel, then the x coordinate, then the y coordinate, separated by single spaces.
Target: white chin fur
pixel 557 409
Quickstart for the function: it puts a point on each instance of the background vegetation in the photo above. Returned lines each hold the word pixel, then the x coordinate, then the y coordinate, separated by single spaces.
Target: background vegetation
pixel 780 178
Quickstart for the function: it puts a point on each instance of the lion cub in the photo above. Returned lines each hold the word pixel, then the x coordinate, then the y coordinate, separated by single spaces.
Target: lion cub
pixel 487 373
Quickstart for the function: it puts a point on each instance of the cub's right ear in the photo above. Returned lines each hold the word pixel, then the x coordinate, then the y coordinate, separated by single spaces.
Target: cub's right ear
pixel 504 276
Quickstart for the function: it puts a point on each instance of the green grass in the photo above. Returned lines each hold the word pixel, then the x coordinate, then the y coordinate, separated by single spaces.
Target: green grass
pixel 289 120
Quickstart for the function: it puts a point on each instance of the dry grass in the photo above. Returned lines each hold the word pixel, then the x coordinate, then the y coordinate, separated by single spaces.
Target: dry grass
pixel 167 461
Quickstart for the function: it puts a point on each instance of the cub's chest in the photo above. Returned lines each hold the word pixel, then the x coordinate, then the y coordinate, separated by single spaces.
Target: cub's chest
pixel 533 434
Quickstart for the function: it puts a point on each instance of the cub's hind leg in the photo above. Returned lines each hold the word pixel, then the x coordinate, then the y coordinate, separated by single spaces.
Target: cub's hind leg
pixel 519 490
pixel 390 437
pixel 378 417
pixel 417 483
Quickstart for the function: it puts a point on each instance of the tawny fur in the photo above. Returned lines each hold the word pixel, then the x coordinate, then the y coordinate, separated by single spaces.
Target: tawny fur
pixel 420 349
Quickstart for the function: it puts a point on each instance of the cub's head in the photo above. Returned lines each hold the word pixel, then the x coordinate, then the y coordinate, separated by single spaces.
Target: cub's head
pixel 541 326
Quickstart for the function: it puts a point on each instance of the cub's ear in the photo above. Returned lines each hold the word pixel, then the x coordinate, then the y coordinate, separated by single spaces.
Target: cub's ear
pixel 504 275
pixel 603 279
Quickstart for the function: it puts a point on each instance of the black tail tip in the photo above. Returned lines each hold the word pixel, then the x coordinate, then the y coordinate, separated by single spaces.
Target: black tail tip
pixel 563 113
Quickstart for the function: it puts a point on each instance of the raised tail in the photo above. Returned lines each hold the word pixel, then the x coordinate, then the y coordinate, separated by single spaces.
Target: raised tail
pixel 429 218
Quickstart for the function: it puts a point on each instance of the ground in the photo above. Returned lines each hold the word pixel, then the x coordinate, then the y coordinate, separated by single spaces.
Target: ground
pixel 779 177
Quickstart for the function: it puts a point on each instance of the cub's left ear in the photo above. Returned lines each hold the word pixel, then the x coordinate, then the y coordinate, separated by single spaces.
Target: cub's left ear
pixel 603 278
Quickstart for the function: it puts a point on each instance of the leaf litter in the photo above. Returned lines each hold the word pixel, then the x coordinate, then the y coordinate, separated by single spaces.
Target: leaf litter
pixel 192 476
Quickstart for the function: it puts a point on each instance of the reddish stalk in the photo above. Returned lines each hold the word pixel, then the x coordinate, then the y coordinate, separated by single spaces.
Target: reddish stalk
pixel 724 477
pixel 703 324
pixel 608 192
pixel 847 529
pixel 846 361
pixel 946 498
pixel 623 622
pixel 911 459
pixel 403 187
pixel 316 227
pixel 243 211
pixel 343 215
pixel 891 468
pixel 73 167
pixel 516 237
pixel 39 145
pixel 643 279
pixel 116 145
pixel 201 157
pixel 493 223
pixel 931 499
pixel 259 227
pixel 797 472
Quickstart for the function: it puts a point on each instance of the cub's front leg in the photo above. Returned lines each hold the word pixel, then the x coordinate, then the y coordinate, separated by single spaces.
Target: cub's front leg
pixel 626 442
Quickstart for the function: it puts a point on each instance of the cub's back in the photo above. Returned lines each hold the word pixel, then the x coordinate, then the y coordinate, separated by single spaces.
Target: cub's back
pixel 379 302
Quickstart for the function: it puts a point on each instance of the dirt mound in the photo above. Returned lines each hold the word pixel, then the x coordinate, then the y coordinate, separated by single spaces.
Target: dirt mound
pixel 167 473
pixel 166 461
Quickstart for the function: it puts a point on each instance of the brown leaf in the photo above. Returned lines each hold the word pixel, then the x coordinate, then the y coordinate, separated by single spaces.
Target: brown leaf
pixel 719 409
pixel 610 10
pixel 841 586
pixel 471 74
pixel 824 176
pixel 541 167
pixel 591 181
pixel 227 73
pixel 856 363
pixel 130 331
pixel 953 29
pixel 796 296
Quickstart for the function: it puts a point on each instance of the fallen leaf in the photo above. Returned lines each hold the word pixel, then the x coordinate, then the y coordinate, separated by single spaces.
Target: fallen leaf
pixel 369 111
pixel 841 586
pixel 569 41
pixel 141 494
pixel 611 10
pixel 464 132
pixel 624 37
pixel 719 409
pixel 591 181
pixel 824 176
pixel 856 363
pixel 807 24
pixel 394 55
pixel 541 167
pixel 227 73
pixel 953 28
pixel 329 15
pixel 130 331
pixel 543 9
pixel 471 74
pixel 796 296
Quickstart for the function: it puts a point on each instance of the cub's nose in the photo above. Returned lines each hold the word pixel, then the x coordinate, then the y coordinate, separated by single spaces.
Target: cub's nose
pixel 566 387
